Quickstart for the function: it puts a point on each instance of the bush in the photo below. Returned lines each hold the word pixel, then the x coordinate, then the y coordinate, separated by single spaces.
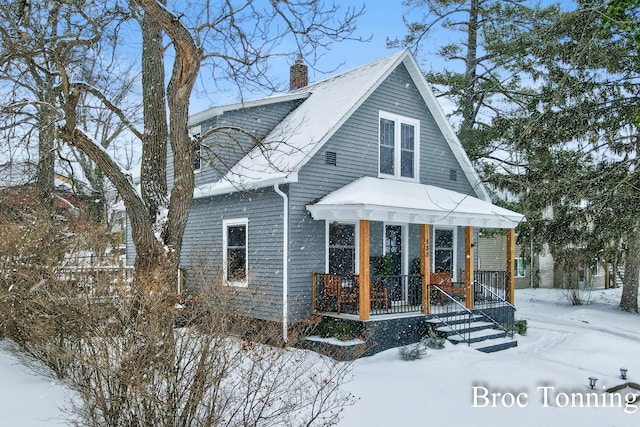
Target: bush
pixel 342 330
pixel 413 352
pixel 434 341
pixel 120 352
pixel 521 327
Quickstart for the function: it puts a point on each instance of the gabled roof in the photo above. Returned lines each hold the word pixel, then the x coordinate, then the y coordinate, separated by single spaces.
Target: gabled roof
pixel 379 199
pixel 328 104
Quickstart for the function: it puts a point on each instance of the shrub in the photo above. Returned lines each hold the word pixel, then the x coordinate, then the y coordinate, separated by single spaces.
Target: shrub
pixel 413 351
pixel 119 350
pixel 521 327
pixel 432 340
pixel 342 330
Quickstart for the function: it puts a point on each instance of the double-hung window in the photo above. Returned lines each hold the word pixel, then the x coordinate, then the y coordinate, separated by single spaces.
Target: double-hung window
pixel 235 245
pixel 398 146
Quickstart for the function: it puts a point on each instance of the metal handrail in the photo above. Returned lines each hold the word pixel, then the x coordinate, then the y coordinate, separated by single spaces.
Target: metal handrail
pixel 502 299
pixel 464 310
pixel 507 326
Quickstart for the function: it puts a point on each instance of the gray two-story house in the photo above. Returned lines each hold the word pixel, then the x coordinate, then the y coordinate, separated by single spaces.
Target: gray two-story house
pixel 340 197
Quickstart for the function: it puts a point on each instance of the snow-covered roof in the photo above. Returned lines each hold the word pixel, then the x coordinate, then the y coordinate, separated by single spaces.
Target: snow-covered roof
pixel 328 104
pixel 379 199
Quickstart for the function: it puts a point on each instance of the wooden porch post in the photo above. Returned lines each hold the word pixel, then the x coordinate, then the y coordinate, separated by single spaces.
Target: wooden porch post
pixel 365 276
pixel 468 265
pixel 511 254
pixel 425 267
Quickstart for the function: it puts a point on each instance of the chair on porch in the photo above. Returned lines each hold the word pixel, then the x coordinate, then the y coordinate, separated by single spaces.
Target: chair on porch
pixel 444 282
pixel 377 292
pixel 333 290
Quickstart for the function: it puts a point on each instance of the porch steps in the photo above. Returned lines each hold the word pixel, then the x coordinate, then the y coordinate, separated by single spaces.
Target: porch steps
pixel 479 326
pixel 483 335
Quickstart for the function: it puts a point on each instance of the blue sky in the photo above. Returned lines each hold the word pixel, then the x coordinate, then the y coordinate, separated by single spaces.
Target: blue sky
pixel 382 19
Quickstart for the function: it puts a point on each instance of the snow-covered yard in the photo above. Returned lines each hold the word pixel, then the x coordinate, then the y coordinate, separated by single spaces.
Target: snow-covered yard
pixel 541 381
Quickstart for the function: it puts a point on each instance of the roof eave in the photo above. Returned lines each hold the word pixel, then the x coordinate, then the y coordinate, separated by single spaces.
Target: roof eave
pixel 356 212
pixel 223 187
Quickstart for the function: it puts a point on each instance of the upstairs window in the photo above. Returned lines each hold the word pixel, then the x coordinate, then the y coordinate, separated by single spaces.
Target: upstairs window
pixel 398 146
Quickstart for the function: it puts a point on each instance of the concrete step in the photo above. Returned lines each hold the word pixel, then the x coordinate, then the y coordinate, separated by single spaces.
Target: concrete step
pixel 454 320
pixel 498 344
pixel 478 325
pixel 480 335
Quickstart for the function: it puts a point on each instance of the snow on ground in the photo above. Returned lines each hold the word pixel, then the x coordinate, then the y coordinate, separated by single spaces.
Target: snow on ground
pixel 27 400
pixel 540 381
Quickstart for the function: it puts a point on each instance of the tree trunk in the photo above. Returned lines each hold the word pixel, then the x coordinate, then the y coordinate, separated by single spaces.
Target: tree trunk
pixel 185 70
pixel 153 179
pixel 629 299
pixel 469 107
pixel 45 170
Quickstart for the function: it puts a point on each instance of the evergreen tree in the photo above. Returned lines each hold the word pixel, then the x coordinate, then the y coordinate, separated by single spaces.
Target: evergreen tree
pixel 478 76
pixel 578 137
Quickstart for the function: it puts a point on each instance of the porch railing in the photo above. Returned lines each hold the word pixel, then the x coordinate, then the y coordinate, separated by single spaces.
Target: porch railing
pixel 494 280
pixel 451 313
pixel 404 294
pixel 388 294
pixel 495 307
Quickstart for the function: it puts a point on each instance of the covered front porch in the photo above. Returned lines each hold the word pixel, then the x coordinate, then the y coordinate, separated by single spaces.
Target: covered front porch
pixel 397 296
pixel 396 248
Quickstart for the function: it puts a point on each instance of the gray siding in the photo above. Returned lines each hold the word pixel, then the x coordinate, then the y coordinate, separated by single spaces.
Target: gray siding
pixel 356 148
pixel 228 145
pixel 130 250
pixel 202 247
pixel 258 121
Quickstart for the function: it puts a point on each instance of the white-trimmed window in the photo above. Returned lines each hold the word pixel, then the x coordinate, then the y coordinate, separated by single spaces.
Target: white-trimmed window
pixel 195 133
pixel 444 251
pixel 342 248
pixel 399 144
pixel 235 244
pixel 518 267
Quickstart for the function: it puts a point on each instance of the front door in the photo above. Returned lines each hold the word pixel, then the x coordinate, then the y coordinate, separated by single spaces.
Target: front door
pixel 396 285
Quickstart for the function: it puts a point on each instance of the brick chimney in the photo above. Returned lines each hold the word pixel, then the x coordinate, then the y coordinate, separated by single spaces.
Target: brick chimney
pixel 299 74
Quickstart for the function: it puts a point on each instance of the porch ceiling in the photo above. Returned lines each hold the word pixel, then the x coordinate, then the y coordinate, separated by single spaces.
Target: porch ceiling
pixel 392 200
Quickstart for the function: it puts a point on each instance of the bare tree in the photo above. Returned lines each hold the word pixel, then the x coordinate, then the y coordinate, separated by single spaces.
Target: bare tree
pixel 235 41
pixel 29 92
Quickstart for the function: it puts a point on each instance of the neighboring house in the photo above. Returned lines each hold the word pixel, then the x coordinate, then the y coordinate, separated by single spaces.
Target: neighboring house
pixel 18 194
pixel 357 178
pixel 492 256
pixel 546 273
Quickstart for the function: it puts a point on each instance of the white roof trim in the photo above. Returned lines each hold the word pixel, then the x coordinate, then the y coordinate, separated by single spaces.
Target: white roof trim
pixel 226 187
pixel 379 199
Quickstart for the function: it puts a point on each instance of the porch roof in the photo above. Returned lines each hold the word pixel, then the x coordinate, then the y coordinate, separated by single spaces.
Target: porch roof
pixel 392 200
